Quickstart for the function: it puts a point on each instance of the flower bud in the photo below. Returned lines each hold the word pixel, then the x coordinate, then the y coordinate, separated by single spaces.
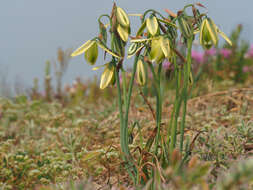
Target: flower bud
pixel 141 74
pixel 152 25
pixel 107 76
pixel 208 34
pixel 122 17
pixel 185 27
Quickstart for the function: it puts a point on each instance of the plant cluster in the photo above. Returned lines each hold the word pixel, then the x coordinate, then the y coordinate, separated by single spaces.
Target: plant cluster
pixel 150 49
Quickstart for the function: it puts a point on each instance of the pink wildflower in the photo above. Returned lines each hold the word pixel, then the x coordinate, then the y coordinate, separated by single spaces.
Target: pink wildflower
pixel 225 52
pixel 197 56
pixel 211 52
pixel 245 69
pixel 166 65
pixel 250 52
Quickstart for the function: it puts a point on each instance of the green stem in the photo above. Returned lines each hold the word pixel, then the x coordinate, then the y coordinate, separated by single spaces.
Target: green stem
pixel 158 107
pixel 154 12
pixel 178 79
pixel 123 133
pixel 187 70
pixel 124 127
pixel 122 143
pixel 174 127
pixel 124 86
pixel 105 15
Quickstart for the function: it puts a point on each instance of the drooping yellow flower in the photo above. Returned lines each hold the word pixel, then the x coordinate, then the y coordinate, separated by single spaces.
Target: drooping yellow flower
pixel 141 74
pixel 209 34
pixel 107 76
pixel 152 25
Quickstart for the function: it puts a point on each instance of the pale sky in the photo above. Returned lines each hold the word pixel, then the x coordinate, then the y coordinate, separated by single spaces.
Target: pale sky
pixel 32 30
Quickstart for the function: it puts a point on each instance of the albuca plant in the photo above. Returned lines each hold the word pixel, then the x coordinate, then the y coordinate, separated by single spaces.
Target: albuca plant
pixel 154 42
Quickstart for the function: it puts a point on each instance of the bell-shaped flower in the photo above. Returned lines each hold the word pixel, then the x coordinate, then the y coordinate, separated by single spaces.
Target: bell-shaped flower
pixel 209 34
pixel 160 49
pixel 123 27
pixel 122 17
pixel 108 76
pixel 90 48
pixel 141 74
pixel 152 25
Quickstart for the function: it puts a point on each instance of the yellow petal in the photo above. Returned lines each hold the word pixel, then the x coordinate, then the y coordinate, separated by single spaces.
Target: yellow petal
pixel 106 77
pixel 152 25
pixel 165 46
pixel 107 50
pixel 83 48
pixel 141 40
pixel 156 53
pixel 98 67
pixel 131 50
pixel 224 36
pixel 201 32
pixel 141 75
pixel 122 17
pixel 123 33
pixel 137 50
pixel 212 28
pixel 134 14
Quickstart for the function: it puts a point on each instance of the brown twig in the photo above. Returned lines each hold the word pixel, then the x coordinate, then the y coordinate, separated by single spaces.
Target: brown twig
pixel 179 54
pixel 149 105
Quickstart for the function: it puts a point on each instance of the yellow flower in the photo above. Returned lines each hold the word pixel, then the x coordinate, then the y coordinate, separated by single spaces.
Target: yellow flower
pixel 209 34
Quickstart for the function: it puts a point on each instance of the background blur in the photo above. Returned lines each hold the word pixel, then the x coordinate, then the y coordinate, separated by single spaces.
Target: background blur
pixel 32 31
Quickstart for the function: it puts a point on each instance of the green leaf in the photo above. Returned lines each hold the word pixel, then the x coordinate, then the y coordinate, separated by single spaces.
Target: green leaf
pixel 166 22
pixel 141 29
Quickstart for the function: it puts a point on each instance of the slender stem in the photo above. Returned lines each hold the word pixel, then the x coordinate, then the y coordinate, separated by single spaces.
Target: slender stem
pixel 124 86
pixel 174 127
pixel 105 15
pixel 122 143
pixel 130 92
pixel 158 107
pixel 187 70
pixel 178 79
pixel 176 109
pixel 124 127
pixel 151 10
